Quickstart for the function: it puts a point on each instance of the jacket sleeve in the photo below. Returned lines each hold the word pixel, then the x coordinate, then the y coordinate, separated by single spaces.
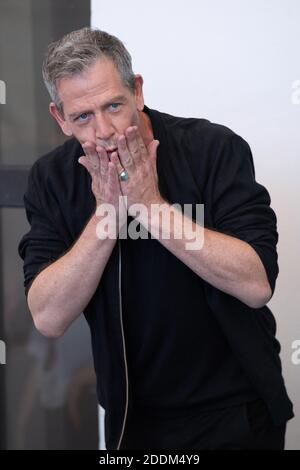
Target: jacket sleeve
pixel 239 206
pixel 42 244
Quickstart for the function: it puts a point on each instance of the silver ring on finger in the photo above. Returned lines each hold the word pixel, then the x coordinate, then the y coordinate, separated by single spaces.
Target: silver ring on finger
pixel 123 175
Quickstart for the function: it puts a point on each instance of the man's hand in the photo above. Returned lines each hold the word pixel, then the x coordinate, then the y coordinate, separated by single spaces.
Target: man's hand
pixel 140 163
pixel 105 180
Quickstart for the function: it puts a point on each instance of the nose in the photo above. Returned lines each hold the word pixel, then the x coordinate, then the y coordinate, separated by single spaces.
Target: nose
pixel 104 129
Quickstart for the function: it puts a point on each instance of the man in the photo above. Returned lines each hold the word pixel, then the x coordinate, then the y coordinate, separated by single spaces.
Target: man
pixel 184 345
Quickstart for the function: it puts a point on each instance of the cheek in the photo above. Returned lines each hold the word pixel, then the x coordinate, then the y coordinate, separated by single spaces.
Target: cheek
pixel 131 118
pixel 135 119
pixel 84 134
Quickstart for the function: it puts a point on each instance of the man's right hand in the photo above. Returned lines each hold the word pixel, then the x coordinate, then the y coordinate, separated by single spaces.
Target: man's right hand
pixel 61 291
pixel 105 179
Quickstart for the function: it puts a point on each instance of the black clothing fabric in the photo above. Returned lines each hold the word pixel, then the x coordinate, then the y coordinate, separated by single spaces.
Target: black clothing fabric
pixel 190 347
pixel 178 358
pixel 247 426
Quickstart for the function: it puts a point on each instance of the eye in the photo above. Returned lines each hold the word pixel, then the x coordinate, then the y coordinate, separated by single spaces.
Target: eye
pixel 115 106
pixel 83 117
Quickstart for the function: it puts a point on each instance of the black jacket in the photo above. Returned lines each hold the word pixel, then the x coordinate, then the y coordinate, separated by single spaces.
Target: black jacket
pixel 197 162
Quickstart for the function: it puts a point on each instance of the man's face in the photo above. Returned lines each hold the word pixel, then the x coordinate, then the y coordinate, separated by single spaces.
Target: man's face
pixel 97 106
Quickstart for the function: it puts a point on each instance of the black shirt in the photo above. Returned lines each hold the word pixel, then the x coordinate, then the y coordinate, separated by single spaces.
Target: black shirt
pixel 188 345
pixel 178 358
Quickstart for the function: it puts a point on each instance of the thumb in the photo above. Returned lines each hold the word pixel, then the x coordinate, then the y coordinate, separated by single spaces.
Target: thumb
pixel 152 149
pixel 84 162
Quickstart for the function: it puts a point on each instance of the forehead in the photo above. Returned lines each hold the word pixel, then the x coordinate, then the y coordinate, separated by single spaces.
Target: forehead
pixel 101 80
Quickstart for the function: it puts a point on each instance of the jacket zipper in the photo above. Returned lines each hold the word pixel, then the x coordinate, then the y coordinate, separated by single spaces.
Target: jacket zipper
pixel 123 339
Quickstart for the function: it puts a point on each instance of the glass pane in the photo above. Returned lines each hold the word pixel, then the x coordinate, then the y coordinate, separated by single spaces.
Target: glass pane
pixel 50 399
pixel 26 28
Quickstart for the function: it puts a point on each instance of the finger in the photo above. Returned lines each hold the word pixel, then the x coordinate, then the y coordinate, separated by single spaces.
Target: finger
pixel 91 154
pixel 133 144
pixel 84 161
pixel 143 149
pixel 113 178
pixel 104 160
pixel 94 174
pixel 152 149
pixel 114 158
pixel 124 153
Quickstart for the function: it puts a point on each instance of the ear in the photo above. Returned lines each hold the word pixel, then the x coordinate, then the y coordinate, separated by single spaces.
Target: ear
pixel 63 124
pixel 139 96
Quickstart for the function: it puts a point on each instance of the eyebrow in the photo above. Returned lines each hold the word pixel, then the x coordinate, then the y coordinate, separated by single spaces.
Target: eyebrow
pixel 115 99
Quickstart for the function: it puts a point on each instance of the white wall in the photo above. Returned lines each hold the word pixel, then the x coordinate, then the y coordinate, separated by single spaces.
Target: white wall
pixel 232 62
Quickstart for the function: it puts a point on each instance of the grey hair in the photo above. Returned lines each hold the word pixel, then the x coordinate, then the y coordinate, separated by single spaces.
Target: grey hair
pixel 78 50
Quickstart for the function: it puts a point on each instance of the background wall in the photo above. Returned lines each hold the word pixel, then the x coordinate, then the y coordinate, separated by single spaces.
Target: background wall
pixel 236 63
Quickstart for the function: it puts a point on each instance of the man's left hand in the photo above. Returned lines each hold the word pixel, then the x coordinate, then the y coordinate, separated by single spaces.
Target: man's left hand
pixel 139 161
